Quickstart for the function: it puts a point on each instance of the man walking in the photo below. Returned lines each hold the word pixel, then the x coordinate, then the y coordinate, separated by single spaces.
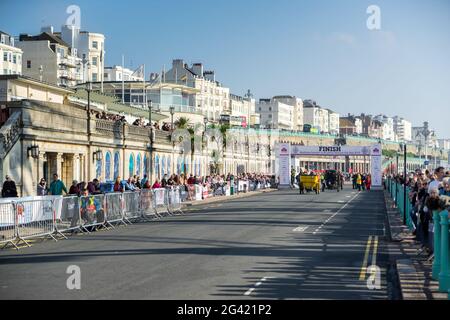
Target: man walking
pixel 57 186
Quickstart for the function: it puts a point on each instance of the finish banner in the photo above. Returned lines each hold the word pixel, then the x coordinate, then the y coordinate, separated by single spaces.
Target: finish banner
pixel 330 150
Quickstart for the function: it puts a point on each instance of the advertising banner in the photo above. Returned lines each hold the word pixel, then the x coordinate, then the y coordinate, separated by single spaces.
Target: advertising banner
pixel 284 167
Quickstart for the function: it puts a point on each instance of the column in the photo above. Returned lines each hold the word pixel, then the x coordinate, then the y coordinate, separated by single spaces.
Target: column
pixel 76 167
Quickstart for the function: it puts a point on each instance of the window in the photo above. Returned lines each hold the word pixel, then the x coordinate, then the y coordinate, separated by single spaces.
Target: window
pixel 98 170
pixel 28 64
pixel 14 59
pixel 138 165
pixel 5 56
pixel 94 61
pixel 95 44
pixel 94 77
pixel 108 166
pixel 116 165
pixel 131 165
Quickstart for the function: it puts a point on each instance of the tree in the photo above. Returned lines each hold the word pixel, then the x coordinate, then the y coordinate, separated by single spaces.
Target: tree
pixel 182 123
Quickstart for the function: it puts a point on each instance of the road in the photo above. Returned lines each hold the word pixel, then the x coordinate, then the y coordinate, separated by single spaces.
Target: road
pixel 278 245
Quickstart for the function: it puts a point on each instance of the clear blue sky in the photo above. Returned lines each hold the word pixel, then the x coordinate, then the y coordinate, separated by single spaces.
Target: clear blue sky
pixel 318 49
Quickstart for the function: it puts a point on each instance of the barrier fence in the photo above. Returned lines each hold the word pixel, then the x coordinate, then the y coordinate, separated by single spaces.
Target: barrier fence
pixel 439 233
pixel 22 219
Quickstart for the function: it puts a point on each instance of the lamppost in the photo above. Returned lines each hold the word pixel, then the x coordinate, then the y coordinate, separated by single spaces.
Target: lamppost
pixel 403 148
pixel 89 89
pixel 172 111
pixel 205 142
pixel 151 138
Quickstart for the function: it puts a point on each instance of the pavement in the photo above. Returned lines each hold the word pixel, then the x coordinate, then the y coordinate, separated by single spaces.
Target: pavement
pixel 271 245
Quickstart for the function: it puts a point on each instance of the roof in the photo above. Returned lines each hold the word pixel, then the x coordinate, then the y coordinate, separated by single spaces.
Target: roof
pixel 113 104
pixel 345 123
pixel 42 37
pixel 34 81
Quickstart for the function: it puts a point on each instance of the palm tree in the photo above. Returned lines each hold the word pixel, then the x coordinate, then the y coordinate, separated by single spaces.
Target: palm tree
pixel 182 123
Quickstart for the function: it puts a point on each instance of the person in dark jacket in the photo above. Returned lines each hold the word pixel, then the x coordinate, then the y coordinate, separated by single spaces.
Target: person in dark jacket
pixel 74 188
pixel 94 187
pixel 9 189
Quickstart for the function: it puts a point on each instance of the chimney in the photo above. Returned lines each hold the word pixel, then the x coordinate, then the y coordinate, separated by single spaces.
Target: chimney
pixel 210 75
pixel 197 68
pixel 48 29
pixel 178 63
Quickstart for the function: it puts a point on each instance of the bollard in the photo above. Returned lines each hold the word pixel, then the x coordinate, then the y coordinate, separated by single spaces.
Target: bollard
pixel 437 244
pixel 444 275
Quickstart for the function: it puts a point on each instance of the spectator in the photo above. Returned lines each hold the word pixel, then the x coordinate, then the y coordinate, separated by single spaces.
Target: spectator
pixel 156 185
pixel 57 186
pixel 94 187
pixel 74 189
pixel 42 188
pixel 118 187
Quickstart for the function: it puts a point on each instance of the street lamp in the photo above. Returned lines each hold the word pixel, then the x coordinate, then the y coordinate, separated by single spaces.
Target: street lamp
pixel 98 155
pixel 151 138
pixel 33 151
pixel 403 148
pixel 172 111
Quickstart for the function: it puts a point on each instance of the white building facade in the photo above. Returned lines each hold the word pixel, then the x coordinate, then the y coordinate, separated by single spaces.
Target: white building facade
pixel 275 114
pixel 117 73
pixel 402 129
pixel 10 55
pixel 47 58
pixel 388 132
pixel 89 47
pixel 212 98
pixel 297 104
pixel 333 122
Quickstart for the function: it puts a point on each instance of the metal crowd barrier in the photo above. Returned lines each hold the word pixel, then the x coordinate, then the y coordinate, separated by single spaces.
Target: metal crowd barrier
pixel 67 214
pixel 92 211
pixel 114 205
pixel 174 200
pixel 8 231
pixel 160 202
pixel 146 204
pixel 131 209
pixel 49 216
pixel 34 219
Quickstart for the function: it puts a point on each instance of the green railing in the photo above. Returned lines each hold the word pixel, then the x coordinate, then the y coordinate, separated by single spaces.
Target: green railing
pixel 441 220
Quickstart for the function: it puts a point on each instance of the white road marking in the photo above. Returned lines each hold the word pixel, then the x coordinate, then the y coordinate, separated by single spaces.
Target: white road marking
pixel 327 210
pixel 259 283
pixel 337 212
pixel 300 229
pixel 249 292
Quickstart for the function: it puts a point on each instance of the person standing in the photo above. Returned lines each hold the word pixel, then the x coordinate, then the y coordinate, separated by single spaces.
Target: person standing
pixel 74 189
pixel 358 181
pixel 42 188
pixel 9 189
pixel 57 186
pixel 368 182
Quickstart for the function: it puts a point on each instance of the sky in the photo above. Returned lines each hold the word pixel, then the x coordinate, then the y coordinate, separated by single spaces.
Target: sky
pixel 320 50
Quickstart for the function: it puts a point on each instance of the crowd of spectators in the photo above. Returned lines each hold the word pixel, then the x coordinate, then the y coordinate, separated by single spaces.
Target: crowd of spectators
pixel 429 191
pixel 139 122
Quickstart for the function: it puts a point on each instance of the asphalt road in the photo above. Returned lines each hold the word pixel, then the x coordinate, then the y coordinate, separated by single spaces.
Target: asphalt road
pixel 278 245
